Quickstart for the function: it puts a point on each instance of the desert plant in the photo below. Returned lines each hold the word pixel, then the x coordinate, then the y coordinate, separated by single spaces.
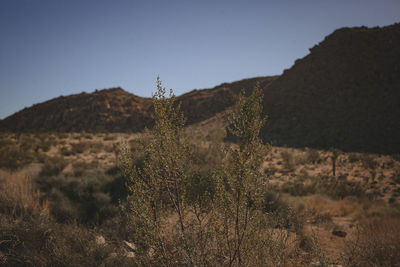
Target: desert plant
pixel 241 185
pixel 312 156
pixel 289 162
pixel 159 184
pixel 368 162
pixel 376 243
pixel 53 166
pixel 20 198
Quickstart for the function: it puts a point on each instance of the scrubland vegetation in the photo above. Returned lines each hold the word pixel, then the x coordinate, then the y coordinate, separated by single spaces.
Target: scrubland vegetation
pixel 176 196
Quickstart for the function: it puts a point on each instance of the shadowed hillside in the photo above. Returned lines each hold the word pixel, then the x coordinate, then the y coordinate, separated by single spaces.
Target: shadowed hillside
pixel 112 110
pixel 344 94
pixel 115 110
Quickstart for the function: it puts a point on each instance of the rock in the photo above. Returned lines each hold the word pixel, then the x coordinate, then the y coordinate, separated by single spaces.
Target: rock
pixel 339 233
pixel 151 252
pixel 100 240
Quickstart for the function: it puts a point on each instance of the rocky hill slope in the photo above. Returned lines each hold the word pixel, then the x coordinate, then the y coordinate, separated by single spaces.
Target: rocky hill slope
pixel 344 94
pixel 103 110
pixel 115 110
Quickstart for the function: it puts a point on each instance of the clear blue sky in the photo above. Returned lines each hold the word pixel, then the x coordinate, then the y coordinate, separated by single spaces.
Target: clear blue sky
pixel 50 48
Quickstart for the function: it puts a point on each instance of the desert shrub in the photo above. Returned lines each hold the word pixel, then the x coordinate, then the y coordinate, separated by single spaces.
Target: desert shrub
pixel 327 185
pixel 303 175
pixel 206 158
pixel 338 188
pixel 270 171
pixel 80 147
pixel 46 141
pixel 311 156
pixel 89 136
pixel 84 199
pixel 200 189
pixel 13 158
pixel 117 187
pixel 79 167
pixel 53 166
pixel 289 162
pixel 368 162
pixel 298 188
pixel 96 147
pixel 396 157
pixel 376 243
pixel 62 135
pixel 6 141
pixel 203 216
pixel 396 176
pixel 109 137
pixel 27 142
pixel 76 136
pixel 160 185
pixel 65 151
pixel 281 214
pixel 354 157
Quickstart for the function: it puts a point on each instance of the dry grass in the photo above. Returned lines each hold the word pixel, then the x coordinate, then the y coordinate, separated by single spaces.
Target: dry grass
pixel 322 205
pixel 377 243
pixel 19 196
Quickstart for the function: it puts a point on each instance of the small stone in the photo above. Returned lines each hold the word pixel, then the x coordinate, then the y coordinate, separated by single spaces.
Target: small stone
pixel 100 240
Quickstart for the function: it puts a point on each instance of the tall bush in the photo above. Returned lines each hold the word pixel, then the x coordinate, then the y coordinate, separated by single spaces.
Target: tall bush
pixel 158 187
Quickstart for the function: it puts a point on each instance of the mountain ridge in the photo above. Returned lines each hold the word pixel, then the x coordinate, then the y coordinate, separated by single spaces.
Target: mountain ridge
pixel 116 110
pixel 344 94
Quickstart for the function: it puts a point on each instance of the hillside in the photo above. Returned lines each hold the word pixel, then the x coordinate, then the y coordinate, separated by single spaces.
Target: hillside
pixel 111 110
pixel 344 94
pixel 115 110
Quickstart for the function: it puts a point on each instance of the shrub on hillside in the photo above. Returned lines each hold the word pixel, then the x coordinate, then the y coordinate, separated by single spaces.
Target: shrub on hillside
pixel 53 166
pixel 84 198
pixel 289 162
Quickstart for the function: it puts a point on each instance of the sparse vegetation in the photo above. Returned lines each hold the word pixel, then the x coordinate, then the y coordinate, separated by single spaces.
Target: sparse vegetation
pixel 289 162
pixel 216 203
pixel 376 243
